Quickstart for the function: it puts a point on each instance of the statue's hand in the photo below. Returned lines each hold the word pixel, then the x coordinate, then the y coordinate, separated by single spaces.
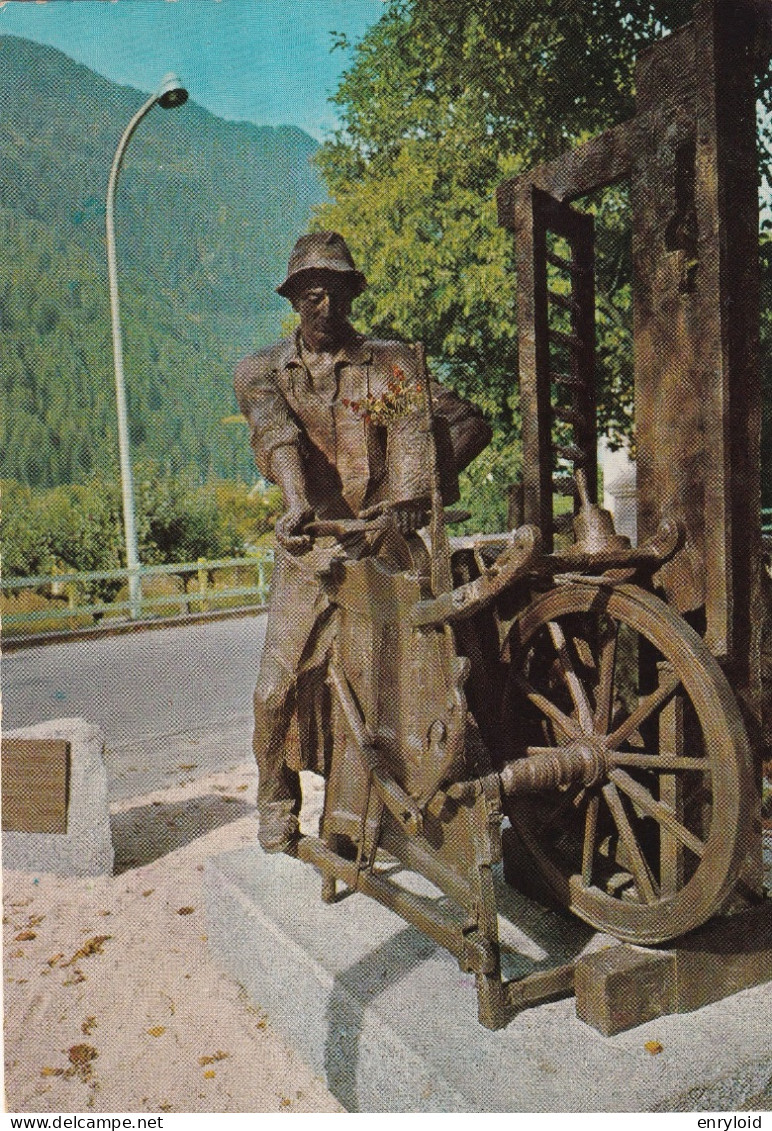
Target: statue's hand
pixel 289 529
pixel 408 516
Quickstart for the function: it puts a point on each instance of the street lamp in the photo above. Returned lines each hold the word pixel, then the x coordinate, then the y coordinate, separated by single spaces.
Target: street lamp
pixel 169 94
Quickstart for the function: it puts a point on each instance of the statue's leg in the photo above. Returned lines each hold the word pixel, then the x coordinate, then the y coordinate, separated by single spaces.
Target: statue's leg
pixel 294 609
pixel 278 795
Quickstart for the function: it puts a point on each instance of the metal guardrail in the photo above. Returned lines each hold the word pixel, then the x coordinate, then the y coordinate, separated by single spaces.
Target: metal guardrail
pixel 64 591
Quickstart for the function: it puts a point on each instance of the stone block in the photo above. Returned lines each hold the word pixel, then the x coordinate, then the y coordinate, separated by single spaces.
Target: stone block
pixel 624 986
pixel 86 848
pixel 389 1021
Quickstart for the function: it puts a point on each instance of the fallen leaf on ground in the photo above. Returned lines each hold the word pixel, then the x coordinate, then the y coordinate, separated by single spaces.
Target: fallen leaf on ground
pixel 157 1031
pixel 185 910
pixel 209 1074
pixel 82 1054
pixel 25 936
pixel 88 1026
pixel 81 1057
pixel 654 1047
pixel 90 946
pixel 219 1055
pixel 51 1071
pixel 52 961
pixel 148 892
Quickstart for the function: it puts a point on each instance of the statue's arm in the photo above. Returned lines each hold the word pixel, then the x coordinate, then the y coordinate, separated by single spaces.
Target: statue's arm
pixel 466 430
pixel 277 443
pixel 271 422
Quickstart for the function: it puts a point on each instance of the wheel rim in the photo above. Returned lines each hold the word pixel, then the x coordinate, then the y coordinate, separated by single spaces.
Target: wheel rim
pixel 652 849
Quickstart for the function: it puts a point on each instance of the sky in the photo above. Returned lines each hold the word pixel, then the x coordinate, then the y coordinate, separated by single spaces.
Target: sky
pixel 263 61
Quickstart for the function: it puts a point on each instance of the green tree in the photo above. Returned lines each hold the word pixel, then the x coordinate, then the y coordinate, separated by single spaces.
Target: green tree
pixel 79 527
pixel 24 537
pixel 442 101
pixel 178 521
pixel 58 421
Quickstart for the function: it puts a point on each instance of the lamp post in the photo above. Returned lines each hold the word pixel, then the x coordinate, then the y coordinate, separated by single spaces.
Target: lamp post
pixel 169 94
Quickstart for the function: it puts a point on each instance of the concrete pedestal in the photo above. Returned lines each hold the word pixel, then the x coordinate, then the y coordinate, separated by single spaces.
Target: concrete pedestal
pixel 86 848
pixel 390 1022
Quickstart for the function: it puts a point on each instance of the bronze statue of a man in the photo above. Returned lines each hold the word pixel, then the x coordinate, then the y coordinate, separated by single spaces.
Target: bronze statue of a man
pixel 303 400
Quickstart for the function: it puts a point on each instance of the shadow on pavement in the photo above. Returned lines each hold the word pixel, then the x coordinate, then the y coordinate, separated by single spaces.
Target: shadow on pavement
pixel 149 832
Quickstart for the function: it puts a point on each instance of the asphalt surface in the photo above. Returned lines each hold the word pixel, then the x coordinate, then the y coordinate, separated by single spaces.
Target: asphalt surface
pixel 167 699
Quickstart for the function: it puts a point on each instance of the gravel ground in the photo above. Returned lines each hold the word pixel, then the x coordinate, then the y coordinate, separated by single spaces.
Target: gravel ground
pixel 112 998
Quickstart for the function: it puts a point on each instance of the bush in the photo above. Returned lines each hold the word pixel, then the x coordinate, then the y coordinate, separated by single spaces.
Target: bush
pixel 252 510
pixel 23 534
pixel 178 521
pixel 79 528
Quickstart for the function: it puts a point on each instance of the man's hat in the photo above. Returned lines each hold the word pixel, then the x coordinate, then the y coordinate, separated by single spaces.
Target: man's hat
pixel 321 251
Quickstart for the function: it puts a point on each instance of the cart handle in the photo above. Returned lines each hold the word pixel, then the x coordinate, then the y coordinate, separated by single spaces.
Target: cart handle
pixel 518 558
pixel 343 528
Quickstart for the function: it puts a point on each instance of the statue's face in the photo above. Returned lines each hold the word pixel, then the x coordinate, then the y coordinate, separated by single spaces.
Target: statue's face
pixel 324 304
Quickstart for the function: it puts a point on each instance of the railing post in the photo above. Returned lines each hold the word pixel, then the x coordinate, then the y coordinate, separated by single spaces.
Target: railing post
pixel 202 585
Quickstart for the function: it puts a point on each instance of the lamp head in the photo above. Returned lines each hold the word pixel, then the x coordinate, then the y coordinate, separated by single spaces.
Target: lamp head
pixel 171 92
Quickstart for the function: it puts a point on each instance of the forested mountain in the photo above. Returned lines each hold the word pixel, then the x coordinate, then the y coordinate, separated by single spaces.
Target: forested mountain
pixel 206 213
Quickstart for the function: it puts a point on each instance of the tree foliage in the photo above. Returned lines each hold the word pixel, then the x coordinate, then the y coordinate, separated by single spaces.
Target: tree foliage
pixel 443 100
pixel 205 209
pixel 58 422
pixel 79 527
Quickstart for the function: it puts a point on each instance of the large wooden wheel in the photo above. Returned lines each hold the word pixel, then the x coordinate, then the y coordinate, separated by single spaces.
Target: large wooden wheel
pixel 652 848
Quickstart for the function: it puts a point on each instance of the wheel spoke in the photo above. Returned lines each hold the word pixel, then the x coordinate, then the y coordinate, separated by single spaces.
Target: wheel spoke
pixel 670 791
pixel 646 707
pixel 574 684
pixel 564 723
pixel 654 847
pixel 590 835
pixel 574 797
pixel 661 813
pixel 644 881
pixel 607 654
pixel 664 763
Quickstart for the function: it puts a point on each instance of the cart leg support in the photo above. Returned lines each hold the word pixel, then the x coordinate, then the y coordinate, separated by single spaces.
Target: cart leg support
pixel 498 1001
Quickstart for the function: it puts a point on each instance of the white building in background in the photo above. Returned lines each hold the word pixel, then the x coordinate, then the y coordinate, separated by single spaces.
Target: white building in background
pixel 620 489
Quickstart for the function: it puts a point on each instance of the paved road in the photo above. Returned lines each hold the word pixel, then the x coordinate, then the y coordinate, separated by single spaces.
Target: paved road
pixel 165 699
